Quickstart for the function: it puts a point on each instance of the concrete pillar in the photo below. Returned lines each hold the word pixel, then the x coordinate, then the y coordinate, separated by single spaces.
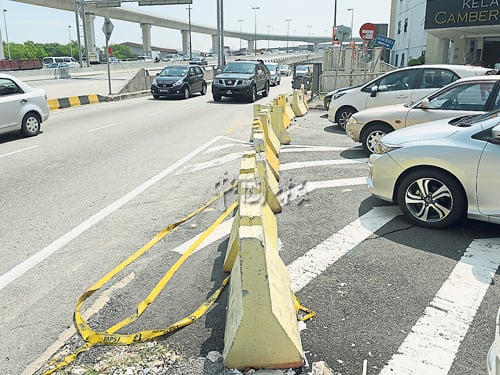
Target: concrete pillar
pixel 251 46
pixel 215 45
pixel 436 51
pixel 89 25
pixel 146 39
pixel 185 42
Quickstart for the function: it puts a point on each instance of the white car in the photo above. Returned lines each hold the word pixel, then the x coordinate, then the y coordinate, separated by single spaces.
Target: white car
pixel 22 107
pixel 440 171
pixel 463 97
pixel 399 86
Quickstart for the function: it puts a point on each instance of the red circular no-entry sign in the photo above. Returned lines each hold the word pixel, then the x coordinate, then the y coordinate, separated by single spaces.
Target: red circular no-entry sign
pixel 367 31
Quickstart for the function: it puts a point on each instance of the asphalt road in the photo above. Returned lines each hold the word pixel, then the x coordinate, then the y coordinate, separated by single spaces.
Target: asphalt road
pixel 102 180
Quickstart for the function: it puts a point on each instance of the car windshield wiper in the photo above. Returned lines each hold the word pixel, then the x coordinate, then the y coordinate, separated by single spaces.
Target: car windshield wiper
pixel 462 122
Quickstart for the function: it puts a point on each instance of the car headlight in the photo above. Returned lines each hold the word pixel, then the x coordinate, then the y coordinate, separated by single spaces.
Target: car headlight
pixel 178 83
pixel 384 148
pixel 154 83
pixel 246 81
pixel 339 95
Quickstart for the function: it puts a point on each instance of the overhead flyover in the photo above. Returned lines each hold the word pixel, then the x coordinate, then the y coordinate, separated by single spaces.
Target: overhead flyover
pixel 148 20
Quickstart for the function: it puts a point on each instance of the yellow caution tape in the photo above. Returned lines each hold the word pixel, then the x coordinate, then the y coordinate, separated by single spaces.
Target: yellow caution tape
pixel 299 307
pixel 108 337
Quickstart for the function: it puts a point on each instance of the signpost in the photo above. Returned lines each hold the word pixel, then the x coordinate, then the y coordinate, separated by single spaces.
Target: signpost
pixel 384 41
pixel 367 31
pixel 107 29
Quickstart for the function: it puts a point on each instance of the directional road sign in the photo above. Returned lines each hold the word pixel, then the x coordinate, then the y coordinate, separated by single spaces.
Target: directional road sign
pixel 384 41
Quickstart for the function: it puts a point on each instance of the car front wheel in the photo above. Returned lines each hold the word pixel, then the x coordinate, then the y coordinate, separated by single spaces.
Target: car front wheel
pixel 343 115
pixel 253 95
pixel 30 125
pixel 372 135
pixel 186 92
pixel 431 198
pixel 266 90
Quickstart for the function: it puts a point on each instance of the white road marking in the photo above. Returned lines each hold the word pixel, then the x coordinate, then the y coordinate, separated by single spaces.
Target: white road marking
pixel 50 249
pixel 431 346
pixel 227 145
pixel 310 265
pixel 318 163
pixel 102 127
pixel 211 163
pixel 296 148
pixel 221 231
pixel 18 151
pixel 153 113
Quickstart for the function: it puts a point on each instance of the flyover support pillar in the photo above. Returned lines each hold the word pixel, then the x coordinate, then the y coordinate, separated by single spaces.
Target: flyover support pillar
pixel 89 26
pixel 215 45
pixel 185 42
pixel 251 46
pixel 146 39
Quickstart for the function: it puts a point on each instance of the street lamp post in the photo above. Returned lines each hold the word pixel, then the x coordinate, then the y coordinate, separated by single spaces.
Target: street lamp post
pixel 6 33
pixel 268 34
pixel 255 9
pixel 189 20
pixel 309 27
pixel 240 21
pixel 288 20
pixel 352 18
pixel 70 46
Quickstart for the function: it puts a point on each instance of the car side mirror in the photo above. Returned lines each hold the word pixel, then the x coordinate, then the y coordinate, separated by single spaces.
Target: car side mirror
pixel 424 104
pixel 157 74
pixel 495 134
pixel 374 91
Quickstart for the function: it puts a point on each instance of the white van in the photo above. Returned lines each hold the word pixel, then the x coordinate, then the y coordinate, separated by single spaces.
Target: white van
pixel 50 62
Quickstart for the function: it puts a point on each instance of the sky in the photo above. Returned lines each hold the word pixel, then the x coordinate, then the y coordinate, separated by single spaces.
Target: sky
pixel 311 17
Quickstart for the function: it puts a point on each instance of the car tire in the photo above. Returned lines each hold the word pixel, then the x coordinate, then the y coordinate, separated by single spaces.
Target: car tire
pixel 186 92
pixel 266 90
pixel 343 115
pixel 253 96
pixel 217 98
pixel 203 89
pixel 372 135
pixel 30 125
pixel 431 198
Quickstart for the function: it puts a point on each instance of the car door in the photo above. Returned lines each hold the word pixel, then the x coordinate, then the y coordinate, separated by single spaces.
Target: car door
pixel 488 180
pixel 12 100
pixel 194 80
pixel 466 98
pixel 392 88
pixel 430 80
pixel 260 76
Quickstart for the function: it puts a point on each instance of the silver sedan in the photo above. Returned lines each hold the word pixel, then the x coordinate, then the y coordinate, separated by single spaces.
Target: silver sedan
pixel 439 171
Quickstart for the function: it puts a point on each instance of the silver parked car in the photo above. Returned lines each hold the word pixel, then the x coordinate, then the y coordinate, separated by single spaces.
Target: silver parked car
pixel 399 86
pixel 22 107
pixel 465 96
pixel 439 171
pixel 275 73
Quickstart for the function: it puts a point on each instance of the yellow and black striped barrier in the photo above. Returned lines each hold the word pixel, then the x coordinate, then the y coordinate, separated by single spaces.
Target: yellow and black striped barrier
pixel 75 101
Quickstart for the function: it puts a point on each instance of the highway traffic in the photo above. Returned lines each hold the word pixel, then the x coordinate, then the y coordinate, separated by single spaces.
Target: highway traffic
pixel 101 180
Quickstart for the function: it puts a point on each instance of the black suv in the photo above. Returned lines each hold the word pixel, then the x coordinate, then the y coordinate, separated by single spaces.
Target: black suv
pixel 242 78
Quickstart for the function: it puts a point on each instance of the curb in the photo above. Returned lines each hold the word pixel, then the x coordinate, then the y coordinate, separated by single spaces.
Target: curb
pixel 76 101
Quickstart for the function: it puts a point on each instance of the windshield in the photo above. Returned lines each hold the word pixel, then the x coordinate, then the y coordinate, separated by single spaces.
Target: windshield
pixel 174 71
pixel 474 119
pixel 271 66
pixel 239 67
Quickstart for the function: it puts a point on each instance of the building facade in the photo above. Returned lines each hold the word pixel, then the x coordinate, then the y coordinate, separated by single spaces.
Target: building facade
pixel 452 31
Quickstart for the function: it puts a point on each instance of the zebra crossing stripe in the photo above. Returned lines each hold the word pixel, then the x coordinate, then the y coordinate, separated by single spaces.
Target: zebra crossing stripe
pixel 431 346
pixel 304 269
